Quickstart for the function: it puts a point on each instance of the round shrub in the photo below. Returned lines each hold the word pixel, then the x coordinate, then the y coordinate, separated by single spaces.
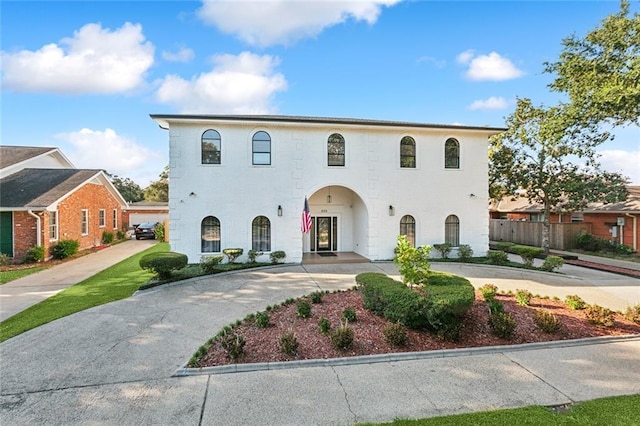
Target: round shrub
pixel 395 334
pixel 527 253
pixel 262 320
pixel 163 263
pixel 342 337
pixel 503 324
pixel 324 325
pixel 497 257
pixel 523 297
pixel 277 256
pixel 465 252
pixel 34 254
pixel 349 314
pixel 107 237
pixel 575 302
pixel 546 321
pixel 288 343
pixel 233 254
pixel 488 292
pixel 304 309
pixel 551 263
pixel 64 249
pixel 209 264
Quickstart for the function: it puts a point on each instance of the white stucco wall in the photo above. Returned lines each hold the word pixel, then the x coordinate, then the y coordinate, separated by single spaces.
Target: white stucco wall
pixel 236 191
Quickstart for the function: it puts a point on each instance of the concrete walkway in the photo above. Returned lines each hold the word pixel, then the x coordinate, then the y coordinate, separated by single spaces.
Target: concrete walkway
pixel 18 295
pixel 115 364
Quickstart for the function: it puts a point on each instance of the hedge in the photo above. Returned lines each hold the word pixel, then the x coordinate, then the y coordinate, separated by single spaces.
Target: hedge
pixel 163 263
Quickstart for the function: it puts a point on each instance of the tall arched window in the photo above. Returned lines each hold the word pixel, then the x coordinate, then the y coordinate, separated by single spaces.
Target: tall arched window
pixel 408 228
pixel 408 152
pixel 261 148
pixel 451 154
pixel 210 235
pixel 211 147
pixel 335 150
pixel 261 234
pixel 452 230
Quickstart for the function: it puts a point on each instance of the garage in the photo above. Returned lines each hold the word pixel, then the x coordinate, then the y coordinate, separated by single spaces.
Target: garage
pixel 138 218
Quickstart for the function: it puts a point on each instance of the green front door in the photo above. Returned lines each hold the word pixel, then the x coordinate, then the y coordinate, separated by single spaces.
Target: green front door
pixel 6 233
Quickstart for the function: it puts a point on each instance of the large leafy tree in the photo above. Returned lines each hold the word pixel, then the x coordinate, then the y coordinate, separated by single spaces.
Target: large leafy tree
pixel 601 72
pixel 129 190
pixel 158 190
pixel 549 158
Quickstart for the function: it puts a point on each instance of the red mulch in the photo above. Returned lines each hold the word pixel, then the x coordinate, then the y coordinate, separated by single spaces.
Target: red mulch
pixel 262 344
pixel 607 268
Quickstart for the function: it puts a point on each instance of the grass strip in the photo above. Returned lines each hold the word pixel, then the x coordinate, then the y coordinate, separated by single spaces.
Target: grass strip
pixel 612 411
pixel 6 276
pixel 114 283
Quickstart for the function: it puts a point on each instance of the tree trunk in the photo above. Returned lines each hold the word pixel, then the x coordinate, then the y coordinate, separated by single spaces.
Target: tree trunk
pixel 546 228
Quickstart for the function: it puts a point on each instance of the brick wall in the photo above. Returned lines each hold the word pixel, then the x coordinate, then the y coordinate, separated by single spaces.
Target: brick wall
pixel 601 225
pixel 24 234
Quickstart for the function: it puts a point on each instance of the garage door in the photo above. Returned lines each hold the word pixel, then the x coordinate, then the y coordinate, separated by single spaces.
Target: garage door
pixel 138 218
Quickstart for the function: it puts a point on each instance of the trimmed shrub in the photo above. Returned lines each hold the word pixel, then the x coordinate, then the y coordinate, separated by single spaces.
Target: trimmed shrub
pixel 232 254
pixel 304 309
pixel 277 256
pixel 316 296
pixel 444 249
pixel 488 291
pixel 495 307
pixel 600 316
pixel 209 264
pixel 252 255
pixel 502 324
pixel 551 263
pixel 324 325
pixel 262 320
pixel 342 337
pixel 497 257
pixel 527 253
pixel 588 242
pixel 34 254
pixel 163 263
pixel 232 343
pixel 633 313
pixel 523 297
pixel 107 237
pixel 504 245
pixel 159 231
pixel 120 235
pixel 349 314
pixel 465 252
pixel 64 249
pixel 546 321
pixel 575 302
pixel 395 334
pixel 288 343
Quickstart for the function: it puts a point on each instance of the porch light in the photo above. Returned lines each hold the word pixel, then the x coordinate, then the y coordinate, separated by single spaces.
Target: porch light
pixel 279 210
pixel 392 211
pixel 329 196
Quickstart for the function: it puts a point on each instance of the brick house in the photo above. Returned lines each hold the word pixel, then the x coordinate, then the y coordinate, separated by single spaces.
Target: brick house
pixel 44 199
pixel 614 221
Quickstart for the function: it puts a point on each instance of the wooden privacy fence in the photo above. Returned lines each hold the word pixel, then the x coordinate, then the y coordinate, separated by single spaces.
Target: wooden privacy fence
pixel 562 236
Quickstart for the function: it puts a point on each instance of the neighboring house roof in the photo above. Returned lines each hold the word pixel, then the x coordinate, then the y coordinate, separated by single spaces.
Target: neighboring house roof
pixel 149 205
pixel 521 204
pixel 164 119
pixel 15 158
pixel 40 188
pixel 10 155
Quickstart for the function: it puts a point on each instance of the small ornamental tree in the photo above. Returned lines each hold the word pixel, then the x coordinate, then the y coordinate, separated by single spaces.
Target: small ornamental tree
pixel 413 262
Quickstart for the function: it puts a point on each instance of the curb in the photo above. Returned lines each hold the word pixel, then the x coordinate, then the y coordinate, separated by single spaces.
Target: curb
pixel 184 371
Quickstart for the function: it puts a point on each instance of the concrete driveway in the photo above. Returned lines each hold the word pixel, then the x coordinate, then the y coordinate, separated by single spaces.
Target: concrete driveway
pixel 114 364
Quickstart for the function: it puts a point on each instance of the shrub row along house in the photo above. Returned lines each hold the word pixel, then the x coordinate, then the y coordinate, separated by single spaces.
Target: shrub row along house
pixel 45 199
pixel 242 181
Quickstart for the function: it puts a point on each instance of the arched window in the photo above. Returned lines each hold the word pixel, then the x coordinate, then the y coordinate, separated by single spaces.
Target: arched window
pixel 261 234
pixel 408 229
pixel 452 230
pixel 408 152
pixel 210 235
pixel 211 147
pixel 261 148
pixel 451 154
pixel 335 150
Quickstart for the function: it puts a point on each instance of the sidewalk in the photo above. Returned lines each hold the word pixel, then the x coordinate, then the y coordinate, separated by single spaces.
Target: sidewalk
pixel 18 295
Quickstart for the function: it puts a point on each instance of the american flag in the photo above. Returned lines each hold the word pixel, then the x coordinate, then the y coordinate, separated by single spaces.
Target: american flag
pixel 306 217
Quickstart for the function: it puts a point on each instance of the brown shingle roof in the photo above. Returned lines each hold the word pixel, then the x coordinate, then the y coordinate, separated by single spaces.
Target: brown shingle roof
pixel 10 155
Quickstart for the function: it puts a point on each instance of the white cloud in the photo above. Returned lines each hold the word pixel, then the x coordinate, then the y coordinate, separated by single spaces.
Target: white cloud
pixel 625 162
pixel 184 54
pixel 238 84
pixel 438 63
pixel 492 102
pixel 488 67
pixel 269 22
pixel 118 155
pixel 94 60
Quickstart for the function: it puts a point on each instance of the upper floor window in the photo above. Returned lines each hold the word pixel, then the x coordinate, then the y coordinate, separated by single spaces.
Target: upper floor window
pixel 408 228
pixel 261 234
pixel 102 218
pixel 210 235
pixel 335 150
pixel 452 154
pixel 53 225
pixel 211 147
pixel 452 230
pixel 261 148
pixel 408 152
pixel 84 222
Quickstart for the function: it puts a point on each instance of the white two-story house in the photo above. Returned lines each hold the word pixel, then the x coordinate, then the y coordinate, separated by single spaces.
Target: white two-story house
pixel 241 181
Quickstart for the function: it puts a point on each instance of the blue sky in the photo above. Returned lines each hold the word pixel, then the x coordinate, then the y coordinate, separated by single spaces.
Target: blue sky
pixel 85 75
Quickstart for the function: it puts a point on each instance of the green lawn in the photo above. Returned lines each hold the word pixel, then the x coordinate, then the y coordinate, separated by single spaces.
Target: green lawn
pixel 6 276
pixel 114 283
pixel 623 410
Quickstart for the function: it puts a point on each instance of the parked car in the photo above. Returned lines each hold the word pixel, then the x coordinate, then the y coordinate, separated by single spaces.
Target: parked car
pixel 146 230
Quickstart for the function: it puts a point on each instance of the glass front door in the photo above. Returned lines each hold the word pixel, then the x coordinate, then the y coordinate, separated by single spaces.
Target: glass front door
pixel 324 233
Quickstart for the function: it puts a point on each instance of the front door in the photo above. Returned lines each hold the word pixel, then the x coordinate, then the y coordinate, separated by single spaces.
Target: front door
pixel 324 230
pixel 6 233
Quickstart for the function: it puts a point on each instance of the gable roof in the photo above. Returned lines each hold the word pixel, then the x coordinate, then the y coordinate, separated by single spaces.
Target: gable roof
pixel 10 155
pixel 40 188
